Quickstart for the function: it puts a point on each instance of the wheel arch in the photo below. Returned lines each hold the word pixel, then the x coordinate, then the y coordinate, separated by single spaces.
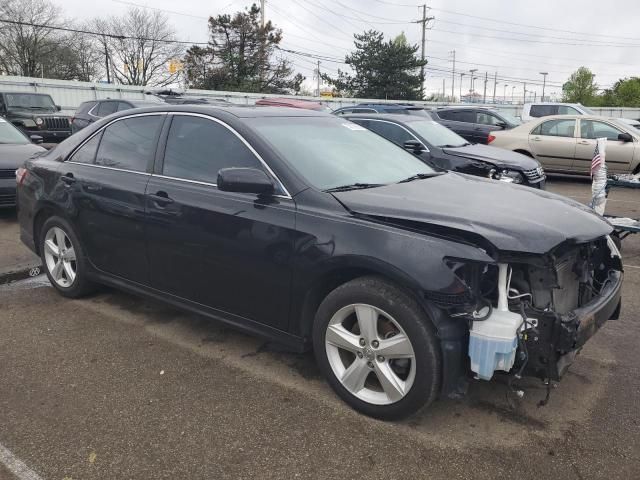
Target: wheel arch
pixel 524 152
pixel 45 211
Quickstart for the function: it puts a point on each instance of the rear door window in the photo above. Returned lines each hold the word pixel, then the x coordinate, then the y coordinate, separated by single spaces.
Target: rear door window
pixel 130 143
pixel 465 116
pixel 87 152
pixel 538 111
pixel 486 118
pixel 106 108
pixel 556 128
pixel 391 131
pixel 197 148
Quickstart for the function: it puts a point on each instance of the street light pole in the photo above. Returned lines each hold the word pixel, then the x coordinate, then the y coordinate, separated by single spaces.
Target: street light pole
pixel 504 93
pixel 513 87
pixel 461 75
pixel 473 71
pixel 544 83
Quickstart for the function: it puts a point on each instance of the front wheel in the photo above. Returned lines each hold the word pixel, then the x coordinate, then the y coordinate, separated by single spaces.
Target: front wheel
pixel 63 258
pixel 377 348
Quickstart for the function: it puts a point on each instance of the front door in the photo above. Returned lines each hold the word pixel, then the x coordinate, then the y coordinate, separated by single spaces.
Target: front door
pixel 619 155
pixel 553 143
pixel 229 251
pixel 107 179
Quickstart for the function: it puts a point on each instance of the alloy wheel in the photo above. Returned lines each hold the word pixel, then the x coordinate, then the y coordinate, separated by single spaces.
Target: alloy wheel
pixel 60 257
pixel 370 354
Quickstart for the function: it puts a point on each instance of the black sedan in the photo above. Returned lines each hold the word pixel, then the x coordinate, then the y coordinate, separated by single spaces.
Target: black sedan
pixel 15 149
pixel 444 149
pixel 310 230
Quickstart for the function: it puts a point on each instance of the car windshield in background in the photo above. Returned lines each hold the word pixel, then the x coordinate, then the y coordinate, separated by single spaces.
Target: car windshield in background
pixel 437 135
pixel 28 100
pixel 10 134
pixel 515 121
pixel 331 153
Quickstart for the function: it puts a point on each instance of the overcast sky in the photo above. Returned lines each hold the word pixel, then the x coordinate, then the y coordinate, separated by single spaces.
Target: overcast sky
pixel 518 40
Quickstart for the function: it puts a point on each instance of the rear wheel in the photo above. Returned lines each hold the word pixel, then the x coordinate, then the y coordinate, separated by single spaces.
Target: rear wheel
pixel 63 258
pixel 377 349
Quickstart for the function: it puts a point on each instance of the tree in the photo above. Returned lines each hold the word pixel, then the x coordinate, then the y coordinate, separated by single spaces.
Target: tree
pixel 241 56
pixel 580 88
pixel 140 45
pixel 23 47
pixel 382 69
pixel 626 92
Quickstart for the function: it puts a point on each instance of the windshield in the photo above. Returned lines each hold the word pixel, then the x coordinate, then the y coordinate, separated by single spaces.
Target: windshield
pixel 333 152
pixel 437 135
pixel 511 119
pixel 30 100
pixel 10 134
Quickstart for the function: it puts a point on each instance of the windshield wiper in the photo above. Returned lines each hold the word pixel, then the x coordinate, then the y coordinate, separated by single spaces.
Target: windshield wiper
pixel 353 186
pixel 420 176
pixel 454 146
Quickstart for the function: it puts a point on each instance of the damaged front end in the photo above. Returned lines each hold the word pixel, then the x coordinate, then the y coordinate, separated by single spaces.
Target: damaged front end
pixel 531 314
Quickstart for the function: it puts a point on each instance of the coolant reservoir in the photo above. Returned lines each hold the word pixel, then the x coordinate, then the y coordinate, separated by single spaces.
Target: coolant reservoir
pixel 493 342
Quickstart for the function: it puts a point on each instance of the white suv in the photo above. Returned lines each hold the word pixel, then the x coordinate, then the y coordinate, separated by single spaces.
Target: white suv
pixel 531 111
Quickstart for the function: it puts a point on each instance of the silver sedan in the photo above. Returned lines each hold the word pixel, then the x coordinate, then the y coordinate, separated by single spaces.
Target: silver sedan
pixel 566 143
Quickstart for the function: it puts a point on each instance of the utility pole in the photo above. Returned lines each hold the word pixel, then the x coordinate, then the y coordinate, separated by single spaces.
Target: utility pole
pixel 484 96
pixel 453 76
pixel 106 58
pixel 525 93
pixel 495 85
pixel 513 87
pixel 544 83
pixel 462 74
pixel 317 76
pixel 443 94
pixel 262 43
pixel 473 72
pixel 424 21
pixel 504 93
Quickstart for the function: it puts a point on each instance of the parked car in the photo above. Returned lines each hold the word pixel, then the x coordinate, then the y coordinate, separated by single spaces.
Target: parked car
pixel 35 114
pixel 176 98
pixel 567 143
pixel 392 108
pixel 531 111
pixel 15 149
pixel 629 121
pixel 309 229
pixel 292 103
pixel 446 150
pixel 474 123
pixel 89 112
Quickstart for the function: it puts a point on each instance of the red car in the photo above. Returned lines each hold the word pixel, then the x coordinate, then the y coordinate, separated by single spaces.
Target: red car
pixel 293 103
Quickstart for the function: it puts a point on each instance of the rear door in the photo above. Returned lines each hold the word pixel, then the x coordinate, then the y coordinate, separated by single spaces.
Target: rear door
pixel 619 155
pixel 486 122
pixel 106 180
pixel 228 251
pixel 460 121
pixel 553 142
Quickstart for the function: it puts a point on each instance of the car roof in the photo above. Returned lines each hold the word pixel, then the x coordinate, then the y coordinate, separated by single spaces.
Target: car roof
pixel 466 107
pixel 397 118
pixel 555 103
pixel 237 111
pixel 285 102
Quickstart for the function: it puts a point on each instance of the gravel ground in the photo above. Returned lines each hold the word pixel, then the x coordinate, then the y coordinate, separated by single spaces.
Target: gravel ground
pixel 113 386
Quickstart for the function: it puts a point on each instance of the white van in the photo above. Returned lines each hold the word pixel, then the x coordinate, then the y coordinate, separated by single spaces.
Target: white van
pixel 544 109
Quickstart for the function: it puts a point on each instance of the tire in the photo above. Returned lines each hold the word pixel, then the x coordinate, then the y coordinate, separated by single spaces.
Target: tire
pixel 340 353
pixel 59 270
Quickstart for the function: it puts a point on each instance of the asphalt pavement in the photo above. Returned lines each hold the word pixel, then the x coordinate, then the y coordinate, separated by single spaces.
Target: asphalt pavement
pixel 113 386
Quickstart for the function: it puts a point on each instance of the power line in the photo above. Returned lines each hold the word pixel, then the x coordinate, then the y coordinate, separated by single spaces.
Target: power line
pixel 590 34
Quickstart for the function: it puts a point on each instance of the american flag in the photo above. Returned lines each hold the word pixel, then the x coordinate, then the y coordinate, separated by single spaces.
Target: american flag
pixel 597 160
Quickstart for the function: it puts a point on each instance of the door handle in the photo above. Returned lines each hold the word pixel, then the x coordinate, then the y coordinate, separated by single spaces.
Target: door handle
pixel 68 179
pixel 536 139
pixel 584 142
pixel 161 198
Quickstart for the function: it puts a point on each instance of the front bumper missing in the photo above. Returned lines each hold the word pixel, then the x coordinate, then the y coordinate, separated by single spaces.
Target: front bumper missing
pixel 561 336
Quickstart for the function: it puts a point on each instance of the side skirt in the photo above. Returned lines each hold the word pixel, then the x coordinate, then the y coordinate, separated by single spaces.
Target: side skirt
pixel 294 343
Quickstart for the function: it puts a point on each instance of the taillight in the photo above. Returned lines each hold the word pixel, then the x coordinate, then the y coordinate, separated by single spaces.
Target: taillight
pixel 21 174
pixel 490 138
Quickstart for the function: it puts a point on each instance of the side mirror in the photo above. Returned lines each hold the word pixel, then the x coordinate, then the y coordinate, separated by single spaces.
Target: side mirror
pixel 245 180
pixel 58 107
pixel 502 125
pixel 625 137
pixel 37 139
pixel 414 146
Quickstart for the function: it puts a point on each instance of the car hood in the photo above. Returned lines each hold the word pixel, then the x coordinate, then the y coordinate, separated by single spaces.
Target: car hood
pixel 510 217
pixel 497 156
pixel 13 156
